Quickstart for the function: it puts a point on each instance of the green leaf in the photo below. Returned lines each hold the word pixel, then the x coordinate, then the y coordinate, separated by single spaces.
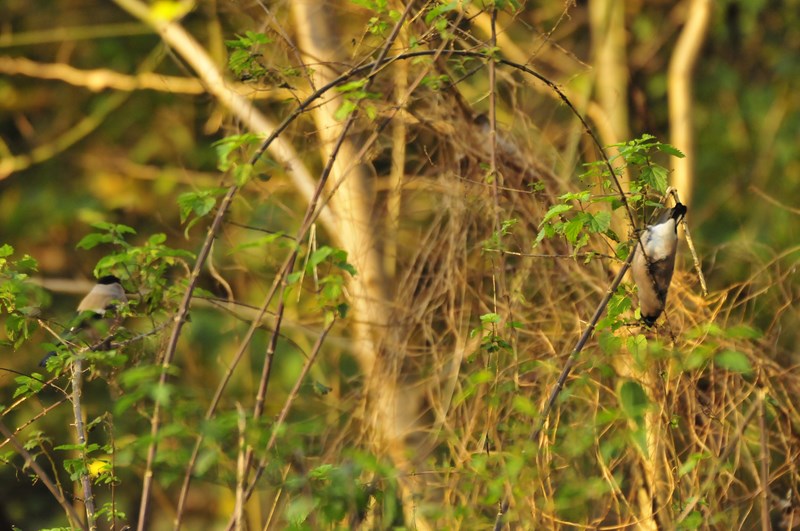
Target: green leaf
pixel 554 211
pixel 93 240
pixel 242 174
pixel 694 520
pixel 248 40
pixel 733 361
pixel 574 227
pixel 743 332
pixel 294 278
pixel 633 399
pixel 345 109
pixel 225 148
pixel 440 10
pixel 637 345
pixel 239 60
pixel 609 343
pixel 691 463
pixel 299 508
pixel 671 150
pixel 600 222
pixel 197 203
pixel 378 6
pixel 319 256
pixel 576 196
pixel 490 318
pixel 524 405
pixel 546 231
pixel 157 239
pixel 352 86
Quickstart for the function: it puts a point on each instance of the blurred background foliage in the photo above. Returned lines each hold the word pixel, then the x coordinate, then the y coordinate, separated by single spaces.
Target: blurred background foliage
pixel 71 156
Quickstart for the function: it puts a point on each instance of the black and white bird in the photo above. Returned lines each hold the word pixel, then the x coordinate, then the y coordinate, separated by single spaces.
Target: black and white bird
pixel 654 262
pixel 102 298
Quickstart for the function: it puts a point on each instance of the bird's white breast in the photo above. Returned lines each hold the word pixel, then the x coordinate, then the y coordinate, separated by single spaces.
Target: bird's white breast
pixel 100 297
pixel 660 241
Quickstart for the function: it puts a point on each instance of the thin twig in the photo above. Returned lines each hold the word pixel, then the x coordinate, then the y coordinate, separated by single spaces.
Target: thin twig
pixel 33 419
pixel 764 458
pixel 285 410
pixel 255 323
pixel 169 353
pixel 729 447
pixel 564 256
pixel 493 119
pixel 498 521
pixel 75 520
pixel 296 388
pixel 80 431
pixel 573 357
pixel 690 243
pixel 238 511
pixel 568 365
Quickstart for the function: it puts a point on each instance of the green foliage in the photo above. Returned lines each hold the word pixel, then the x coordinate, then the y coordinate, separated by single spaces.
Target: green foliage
pixel 147 266
pixel 583 221
pixel 492 342
pixel 378 24
pixel 637 156
pixel 436 82
pixel 577 228
pixel 330 269
pixel 733 361
pixel 244 58
pixel 28 385
pixel 198 204
pixel 19 300
pixel 354 92
pixel 437 17
pixel 495 242
pixel 716 346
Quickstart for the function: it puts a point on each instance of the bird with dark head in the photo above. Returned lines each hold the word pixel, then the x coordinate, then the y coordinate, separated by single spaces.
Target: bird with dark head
pixel 654 262
pixel 103 297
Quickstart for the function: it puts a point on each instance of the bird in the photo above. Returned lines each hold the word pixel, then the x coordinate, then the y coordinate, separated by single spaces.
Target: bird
pixel 103 297
pixel 654 262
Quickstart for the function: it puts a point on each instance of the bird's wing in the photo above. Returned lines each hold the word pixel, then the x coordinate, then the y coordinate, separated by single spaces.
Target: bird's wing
pixel 661 275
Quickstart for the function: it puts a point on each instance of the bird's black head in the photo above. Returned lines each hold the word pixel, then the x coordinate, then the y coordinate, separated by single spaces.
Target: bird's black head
pixel 108 280
pixel 649 321
pixel 678 211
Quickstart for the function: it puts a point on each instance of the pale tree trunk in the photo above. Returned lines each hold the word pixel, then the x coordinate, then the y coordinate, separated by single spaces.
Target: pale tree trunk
pixel 610 59
pixel 387 402
pixel 353 198
pixel 607 20
pixel 681 66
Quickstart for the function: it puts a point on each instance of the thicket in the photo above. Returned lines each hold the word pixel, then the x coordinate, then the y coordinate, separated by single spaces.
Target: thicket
pixel 376 273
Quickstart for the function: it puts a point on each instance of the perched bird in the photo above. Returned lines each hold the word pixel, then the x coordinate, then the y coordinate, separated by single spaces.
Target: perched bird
pixel 654 262
pixel 103 297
